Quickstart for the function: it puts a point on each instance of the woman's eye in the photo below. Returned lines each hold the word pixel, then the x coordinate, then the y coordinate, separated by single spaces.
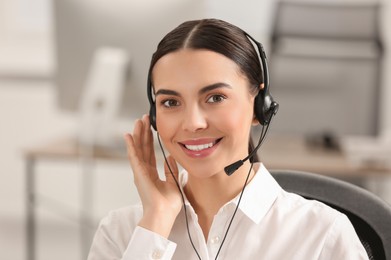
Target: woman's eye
pixel 170 103
pixel 215 99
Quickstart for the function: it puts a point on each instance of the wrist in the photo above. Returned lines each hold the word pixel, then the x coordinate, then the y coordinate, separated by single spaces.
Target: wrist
pixel 159 222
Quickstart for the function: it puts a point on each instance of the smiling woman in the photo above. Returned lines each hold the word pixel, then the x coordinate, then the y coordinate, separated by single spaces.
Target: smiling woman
pixel 207 86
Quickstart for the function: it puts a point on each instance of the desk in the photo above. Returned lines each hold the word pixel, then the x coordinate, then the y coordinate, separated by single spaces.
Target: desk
pixel 64 149
pixel 278 152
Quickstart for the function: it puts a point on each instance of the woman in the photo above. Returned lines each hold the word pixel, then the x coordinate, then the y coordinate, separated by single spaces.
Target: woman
pixel 207 80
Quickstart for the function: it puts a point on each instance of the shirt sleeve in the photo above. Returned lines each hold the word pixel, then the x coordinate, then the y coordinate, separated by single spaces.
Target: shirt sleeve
pixel 116 240
pixel 146 244
pixel 342 242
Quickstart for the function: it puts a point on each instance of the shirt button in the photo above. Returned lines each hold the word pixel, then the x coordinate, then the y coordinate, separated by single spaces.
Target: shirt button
pixel 157 254
pixel 215 240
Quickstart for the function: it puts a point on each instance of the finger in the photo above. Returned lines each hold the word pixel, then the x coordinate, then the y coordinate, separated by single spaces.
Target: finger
pixel 137 131
pixel 153 155
pixel 171 170
pixel 132 154
pixel 137 138
pixel 144 185
pixel 148 148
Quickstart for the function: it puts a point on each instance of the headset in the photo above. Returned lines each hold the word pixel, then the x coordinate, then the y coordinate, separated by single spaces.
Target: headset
pixel 264 105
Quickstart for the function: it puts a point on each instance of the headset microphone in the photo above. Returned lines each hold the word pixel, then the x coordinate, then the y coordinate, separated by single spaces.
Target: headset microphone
pixel 230 169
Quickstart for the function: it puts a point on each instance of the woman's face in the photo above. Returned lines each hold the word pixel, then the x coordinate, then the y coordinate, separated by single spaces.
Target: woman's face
pixel 204 110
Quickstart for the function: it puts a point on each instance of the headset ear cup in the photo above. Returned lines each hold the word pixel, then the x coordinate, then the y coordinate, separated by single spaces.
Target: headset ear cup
pixel 264 107
pixel 152 108
pixel 152 116
pixel 258 108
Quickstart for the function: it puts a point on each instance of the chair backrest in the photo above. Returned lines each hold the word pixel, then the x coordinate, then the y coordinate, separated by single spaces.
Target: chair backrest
pixel 370 215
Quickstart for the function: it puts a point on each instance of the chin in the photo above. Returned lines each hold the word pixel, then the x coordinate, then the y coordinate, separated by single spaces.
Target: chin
pixel 203 169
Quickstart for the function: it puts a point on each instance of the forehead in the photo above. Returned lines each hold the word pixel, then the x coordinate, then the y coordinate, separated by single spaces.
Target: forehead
pixel 194 67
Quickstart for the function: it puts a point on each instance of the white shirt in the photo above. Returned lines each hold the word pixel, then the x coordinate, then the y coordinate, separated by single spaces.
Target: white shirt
pixel 270 224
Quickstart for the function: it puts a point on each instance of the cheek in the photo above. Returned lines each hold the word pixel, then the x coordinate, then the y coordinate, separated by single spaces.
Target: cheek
pixel 237 121
pixel 163 124
pixel 167 127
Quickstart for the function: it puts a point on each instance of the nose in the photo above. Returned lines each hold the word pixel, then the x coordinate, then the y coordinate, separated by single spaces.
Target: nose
pixel 194 119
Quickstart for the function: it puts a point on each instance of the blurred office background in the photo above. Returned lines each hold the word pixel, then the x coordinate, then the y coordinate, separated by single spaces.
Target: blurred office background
pixel 331 78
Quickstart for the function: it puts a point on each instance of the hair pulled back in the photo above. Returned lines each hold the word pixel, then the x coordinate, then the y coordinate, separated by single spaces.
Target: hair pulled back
pixel 218 36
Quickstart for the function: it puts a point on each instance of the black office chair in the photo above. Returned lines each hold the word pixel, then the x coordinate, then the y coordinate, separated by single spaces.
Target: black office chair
pixel 370 216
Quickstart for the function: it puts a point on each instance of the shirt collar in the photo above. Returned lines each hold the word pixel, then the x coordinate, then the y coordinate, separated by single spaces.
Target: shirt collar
pixel 259 195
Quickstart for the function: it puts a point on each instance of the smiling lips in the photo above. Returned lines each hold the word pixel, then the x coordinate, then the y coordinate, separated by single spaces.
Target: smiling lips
pixel 200 148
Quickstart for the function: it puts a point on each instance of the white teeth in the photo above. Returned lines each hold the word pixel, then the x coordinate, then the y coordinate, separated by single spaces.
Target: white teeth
pixel 198 147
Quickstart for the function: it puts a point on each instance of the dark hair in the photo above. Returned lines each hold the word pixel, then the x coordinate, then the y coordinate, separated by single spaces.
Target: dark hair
pixel 218 36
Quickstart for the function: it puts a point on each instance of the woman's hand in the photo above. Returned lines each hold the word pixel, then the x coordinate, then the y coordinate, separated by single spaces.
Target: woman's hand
pixel 161 199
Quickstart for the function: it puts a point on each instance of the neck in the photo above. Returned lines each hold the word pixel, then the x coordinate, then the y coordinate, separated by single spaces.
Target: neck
pixel 208 195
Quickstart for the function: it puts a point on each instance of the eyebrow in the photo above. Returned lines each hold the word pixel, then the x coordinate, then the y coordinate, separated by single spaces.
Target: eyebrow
pixel 201 91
